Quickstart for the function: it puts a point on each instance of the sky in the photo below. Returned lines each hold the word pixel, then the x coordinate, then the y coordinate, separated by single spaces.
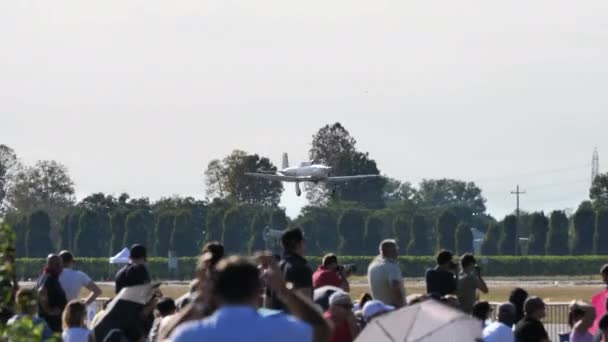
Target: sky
pixel 138 96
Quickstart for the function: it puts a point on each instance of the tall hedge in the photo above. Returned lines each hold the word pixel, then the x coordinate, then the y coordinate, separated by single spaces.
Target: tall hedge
pixel 419 244
pixel 258 225
pixel 235 228
pixel 539 226
pixel 38 240
pixel 327 230
pixel 401 229
pixel 557 238
pixel 278 220
pixel 508 244
pixel 135 228
pixel 163 230
pixel 489 245
pixel 351 228
pixel 446 230
pixel 600 238
pixel 464 239
pixel 91 239
pixel 584 228
pixel 117 230
pixel 184 237
pixel 374 228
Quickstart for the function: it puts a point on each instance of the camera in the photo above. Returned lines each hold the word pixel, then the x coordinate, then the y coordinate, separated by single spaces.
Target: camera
pixel 348 268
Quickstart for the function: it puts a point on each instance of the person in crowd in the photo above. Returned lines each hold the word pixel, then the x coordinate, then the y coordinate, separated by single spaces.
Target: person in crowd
pixel 469 282
pixel 164 308
pixel 604 274
pixel 482 311
pixel 72 280
pixel 340 314
pixel 602 332
pixel 235 287
pixel 530 328
pixel 384 276
pixel 74 323
pixel 51 297
pixel 9 285
pixel 441 280
pixel 375 308
pixel 135 273
pixel 330 273
pixel 580 319
pixel 502 329
pixel 26 305
pixel 293 265
pixel 360 302
pixel 101 312
pixel 518 297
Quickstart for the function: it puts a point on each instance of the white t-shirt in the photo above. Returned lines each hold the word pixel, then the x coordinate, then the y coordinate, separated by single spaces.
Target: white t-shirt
pixel 498 332
pixel 381 273
pixel 76 335
pixel 72 281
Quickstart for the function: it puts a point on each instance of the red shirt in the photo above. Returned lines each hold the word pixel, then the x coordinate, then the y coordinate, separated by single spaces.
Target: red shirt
pixel 325 277
pixel 341 332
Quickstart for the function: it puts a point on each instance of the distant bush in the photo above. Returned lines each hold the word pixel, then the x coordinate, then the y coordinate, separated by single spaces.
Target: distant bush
pixel 412 266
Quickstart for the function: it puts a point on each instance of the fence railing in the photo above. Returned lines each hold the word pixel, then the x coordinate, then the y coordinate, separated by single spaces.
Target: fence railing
pixel 555 321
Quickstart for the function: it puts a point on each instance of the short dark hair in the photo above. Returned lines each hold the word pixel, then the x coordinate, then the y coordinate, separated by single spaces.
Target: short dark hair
pixel 533 304
pixel 74 314
pixel 236 280
pixel 604 270
pixel 137 251
pixel 603 324
pixel 216 249
pixel 444 256
pixel 166 306
pixel 481 310
pixel 467 260
pixel 66 257
pixel 329 259
pixel 292 238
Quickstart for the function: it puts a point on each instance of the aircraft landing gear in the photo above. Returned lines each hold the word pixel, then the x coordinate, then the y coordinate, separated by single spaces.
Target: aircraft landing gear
pixel 298 191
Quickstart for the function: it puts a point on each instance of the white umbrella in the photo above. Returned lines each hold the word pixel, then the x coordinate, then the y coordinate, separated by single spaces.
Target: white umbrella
pixel 121 258
pixel 429 321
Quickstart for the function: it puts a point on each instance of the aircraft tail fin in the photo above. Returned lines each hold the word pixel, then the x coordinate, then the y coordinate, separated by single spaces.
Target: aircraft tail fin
pixel 285 161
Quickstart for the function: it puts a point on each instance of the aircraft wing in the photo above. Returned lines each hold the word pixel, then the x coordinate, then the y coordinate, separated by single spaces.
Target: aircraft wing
pixel 278 178
pixel 349 178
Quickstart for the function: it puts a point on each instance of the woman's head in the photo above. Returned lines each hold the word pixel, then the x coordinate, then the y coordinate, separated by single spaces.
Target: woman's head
pixel 482 310
pixel 582 314
pixel 74 314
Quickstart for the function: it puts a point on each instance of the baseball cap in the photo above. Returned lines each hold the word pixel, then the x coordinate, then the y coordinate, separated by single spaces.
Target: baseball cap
pixel 340 298
pixel 374 308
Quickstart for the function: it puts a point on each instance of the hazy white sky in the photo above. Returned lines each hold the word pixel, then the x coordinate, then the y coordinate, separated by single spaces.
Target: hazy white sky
pixel 138 96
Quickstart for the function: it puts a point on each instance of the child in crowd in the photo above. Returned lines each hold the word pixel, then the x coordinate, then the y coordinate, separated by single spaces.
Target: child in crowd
pixel 581 318
pixel 74 325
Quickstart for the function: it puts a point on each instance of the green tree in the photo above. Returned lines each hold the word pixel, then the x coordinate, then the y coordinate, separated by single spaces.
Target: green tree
pixel 165 223
pixel 117 230
pixel 258 225
pixel 325 221
pixel 402 231
pixel 539 226
pixel 584 228
pixel 464 239
pixel 599 191
pixel 369 193
pixel 8 165
pixel 278 220
pixel 451 192
pixel 214 226
pixel 373 234
pixel 235 235
pixel 508 243
pixel 135 228
pixel 557 238
pixel 351 227
pixel 446 230
pixel 184 240
pixel 489 246
pixel 91 238
pixel 419 243
pixel 38 241
pixel 396 193
pixel 601 232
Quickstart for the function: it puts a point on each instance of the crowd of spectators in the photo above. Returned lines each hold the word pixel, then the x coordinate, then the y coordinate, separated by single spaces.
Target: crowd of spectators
pixel 273 298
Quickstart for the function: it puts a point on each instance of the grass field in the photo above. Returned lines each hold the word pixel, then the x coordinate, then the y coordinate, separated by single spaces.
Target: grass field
pixel 551 291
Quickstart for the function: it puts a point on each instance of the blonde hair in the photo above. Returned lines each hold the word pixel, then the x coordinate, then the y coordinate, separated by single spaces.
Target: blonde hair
pixel 74 314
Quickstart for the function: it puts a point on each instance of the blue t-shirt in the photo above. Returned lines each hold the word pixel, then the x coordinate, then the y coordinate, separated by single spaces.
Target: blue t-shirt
pixel 244 324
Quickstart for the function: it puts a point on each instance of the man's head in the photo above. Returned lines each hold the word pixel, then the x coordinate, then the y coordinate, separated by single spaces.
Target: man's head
pixel 137 254
pixel 444 258
pixel 53 264
pixel 293 241
pixel 165 307
pixel 534 307
pixel 340 305
pixel 330 262
pixel 467 261
pixel 388 249
pixel 236 281
pixel 506 314
pixel 67 258
pixel 604 273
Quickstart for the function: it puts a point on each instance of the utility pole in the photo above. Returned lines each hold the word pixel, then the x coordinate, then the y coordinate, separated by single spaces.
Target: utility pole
pixel 517 193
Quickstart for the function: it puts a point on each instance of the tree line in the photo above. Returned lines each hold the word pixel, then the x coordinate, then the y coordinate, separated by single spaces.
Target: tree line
pixel 39 202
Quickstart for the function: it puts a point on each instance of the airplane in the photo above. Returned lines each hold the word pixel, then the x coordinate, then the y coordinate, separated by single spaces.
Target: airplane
pixel 307 171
